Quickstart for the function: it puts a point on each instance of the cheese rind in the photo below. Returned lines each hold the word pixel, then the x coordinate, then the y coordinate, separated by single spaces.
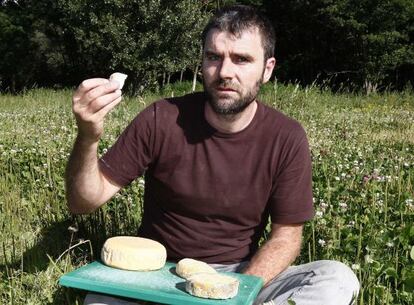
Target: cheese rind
pixel 188 267
pixel 133 253
pixel 119 77
pixel 212 286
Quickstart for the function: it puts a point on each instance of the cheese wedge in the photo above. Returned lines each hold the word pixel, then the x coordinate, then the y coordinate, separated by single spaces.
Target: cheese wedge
pixel 119 77
pixel 212 286
pixel 188 267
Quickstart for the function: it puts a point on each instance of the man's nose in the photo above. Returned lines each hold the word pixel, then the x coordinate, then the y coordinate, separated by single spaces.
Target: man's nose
pixel 226 69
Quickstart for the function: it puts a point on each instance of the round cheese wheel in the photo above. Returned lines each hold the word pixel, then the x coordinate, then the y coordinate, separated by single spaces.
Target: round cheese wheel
pixel 188 267
pixel 133 253
pixel 212 286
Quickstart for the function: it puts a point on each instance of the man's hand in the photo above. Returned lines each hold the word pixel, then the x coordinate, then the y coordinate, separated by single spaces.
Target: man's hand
pixel 86 187
pixel 93 99
pixel 279 251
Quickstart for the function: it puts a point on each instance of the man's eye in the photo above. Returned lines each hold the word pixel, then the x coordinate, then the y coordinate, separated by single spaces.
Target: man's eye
pixel 242 59
pixel 212 57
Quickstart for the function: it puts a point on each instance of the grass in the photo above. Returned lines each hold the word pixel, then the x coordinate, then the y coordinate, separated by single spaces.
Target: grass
pixel 363 174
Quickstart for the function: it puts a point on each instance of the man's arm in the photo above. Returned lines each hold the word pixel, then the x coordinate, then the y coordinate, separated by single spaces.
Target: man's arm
pixel 86 187
pixel 278 252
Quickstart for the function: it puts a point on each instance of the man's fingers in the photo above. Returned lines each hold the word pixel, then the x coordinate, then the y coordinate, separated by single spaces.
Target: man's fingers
pixel 87 85
pixel 104 110
pixel 105 100
pixel 97 104
pixel 101 90
pixel 97 92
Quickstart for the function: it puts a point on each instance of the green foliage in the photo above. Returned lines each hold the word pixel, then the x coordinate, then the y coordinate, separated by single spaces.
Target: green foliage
pixel 382 29
pixel 74 40
pixel 345 44
pixel 15 48
pixel 353 42
pixel 141 38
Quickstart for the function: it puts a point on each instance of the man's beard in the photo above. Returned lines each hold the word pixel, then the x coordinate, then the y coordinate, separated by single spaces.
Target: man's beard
pixel 238 104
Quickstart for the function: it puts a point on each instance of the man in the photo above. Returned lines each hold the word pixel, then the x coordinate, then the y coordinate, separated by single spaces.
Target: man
pixel 217 164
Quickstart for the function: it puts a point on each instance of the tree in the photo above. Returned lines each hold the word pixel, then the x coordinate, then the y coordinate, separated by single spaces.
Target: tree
pixel 61 42
pixel 72 40
pixel 16 47
pixel 346 41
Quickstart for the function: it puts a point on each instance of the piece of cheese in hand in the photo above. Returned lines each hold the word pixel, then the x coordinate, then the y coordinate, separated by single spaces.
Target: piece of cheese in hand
pixel 188 267
pixel 133 253
pixel 212 286
pixel 119 77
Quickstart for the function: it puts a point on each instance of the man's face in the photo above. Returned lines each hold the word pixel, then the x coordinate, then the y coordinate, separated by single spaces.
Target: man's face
pixel 233 70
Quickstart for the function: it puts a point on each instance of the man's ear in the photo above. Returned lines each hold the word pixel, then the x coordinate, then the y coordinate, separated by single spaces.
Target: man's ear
pixel 268 69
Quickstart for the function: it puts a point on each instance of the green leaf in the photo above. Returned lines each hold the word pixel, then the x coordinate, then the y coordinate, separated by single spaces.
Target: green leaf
pixel 412 253
pixel 409 284
pixel 391 272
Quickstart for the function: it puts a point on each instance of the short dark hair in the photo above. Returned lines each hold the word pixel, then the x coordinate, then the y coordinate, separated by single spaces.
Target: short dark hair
pixel 238 18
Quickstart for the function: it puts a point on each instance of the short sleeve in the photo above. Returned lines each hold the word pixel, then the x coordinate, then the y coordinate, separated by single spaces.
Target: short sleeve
pixel 292 200
pixel 132 153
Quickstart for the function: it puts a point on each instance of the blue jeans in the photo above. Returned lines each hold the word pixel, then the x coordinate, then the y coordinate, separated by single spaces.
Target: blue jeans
pixel 316 283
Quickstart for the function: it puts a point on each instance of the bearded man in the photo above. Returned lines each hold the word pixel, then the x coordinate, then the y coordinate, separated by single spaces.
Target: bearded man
pixel 217 165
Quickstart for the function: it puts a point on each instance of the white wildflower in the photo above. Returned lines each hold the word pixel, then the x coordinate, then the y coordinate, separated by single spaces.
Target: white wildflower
pixel 141 182
pixel 319 213
pixel 323 205
pixel 343 205
pixel 355 266
pixel 351 224
pixel 368 259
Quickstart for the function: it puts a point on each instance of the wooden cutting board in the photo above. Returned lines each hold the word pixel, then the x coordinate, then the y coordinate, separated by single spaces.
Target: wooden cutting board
pixel 161 286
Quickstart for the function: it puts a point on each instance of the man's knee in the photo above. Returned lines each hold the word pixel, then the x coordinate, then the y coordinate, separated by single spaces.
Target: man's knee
pixel 340 275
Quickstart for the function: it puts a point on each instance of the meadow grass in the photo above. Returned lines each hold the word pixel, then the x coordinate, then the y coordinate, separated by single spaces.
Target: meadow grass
pixel 363 178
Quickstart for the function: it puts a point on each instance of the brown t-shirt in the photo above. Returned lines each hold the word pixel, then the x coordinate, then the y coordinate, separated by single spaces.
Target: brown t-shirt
pixel 208 194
